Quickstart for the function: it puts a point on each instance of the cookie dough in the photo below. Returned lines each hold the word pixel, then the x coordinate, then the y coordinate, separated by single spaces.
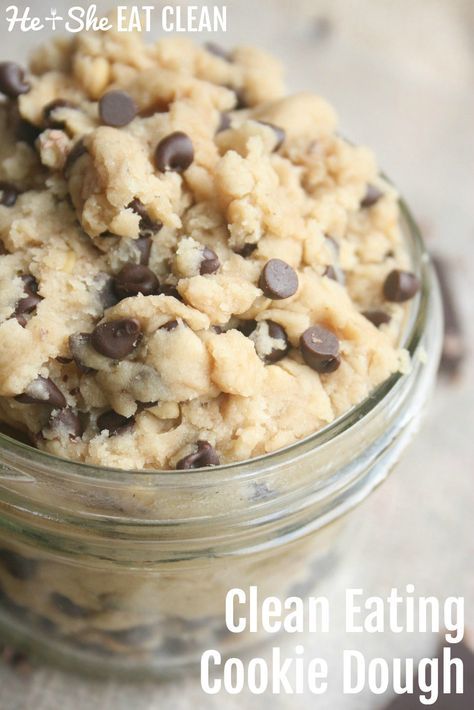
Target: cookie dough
pixel 195 267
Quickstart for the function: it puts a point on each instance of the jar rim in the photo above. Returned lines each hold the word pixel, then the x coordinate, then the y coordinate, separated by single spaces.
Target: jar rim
pixel 166 478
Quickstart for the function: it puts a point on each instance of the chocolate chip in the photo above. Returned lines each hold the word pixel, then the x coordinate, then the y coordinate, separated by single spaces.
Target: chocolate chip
pixel 117 109
pixel 279 133
pixel 218 51
pixel 107 294
pixel 335 273
pixel 77 151
pixel 31 300
pixel 204 456
pixel 143 245
pixel 175 152
pixel 114 423
pixel 66 421
pixel 276 333
pixel 42 391
pixel 18 566
pixel 246 250
pixel 49 109
pixel 377 317
pixel 170 325
pixel 134 279
pixel 372 196
pixel 147 225
pixel 278 280
pixel 3 251
pixel 116 338
pixel 400 286
pixel 9 194
pixel 320 349
pixel 12 80
pixel 69 608
pixel 133 636
pixel 79 344
pixel 210 262
pixel 172 291
pixel 224 123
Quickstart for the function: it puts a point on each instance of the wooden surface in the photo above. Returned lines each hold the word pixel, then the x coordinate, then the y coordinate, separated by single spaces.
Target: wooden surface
pixel 401 74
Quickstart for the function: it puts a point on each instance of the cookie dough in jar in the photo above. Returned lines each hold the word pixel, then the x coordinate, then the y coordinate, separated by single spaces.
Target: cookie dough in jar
pixel 218 328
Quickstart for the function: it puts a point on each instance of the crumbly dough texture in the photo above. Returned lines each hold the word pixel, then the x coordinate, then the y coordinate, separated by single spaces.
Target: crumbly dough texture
pixel 72 228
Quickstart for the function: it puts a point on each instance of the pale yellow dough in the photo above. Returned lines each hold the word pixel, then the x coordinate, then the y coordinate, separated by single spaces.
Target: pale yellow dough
pixel 73 234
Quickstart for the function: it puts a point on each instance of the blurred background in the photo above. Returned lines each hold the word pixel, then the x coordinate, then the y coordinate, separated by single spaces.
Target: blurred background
pixel 401 75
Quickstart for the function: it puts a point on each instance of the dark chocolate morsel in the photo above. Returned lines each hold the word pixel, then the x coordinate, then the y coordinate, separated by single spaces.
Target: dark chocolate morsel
pixel 246 250
pixel 78 344
pixel 224 123
pixel 134 279
pixel 204 456
pixel 12 80
pixel 3 251
pixel 280 134
pixel 68 607
pixel 400 286
pixel 278 280
pixel 218 51
pixel 276 333
pixel 175 153
pixel 107 295
pixel 133 636
pixel 116 338
pixel 377 317
pixel 28 303
pixel 114 423
pixel 66 421
pixel 117 109
pixel 8 194
pixel 335 273
pixel 170 290
pixel 320 349
pixel 49 109
pixel 372 196
pixel 147 225
pixel 143 246
pixel 18 566
pixel 42 391
pixel 76 152
pixel 210 262
pixel 170 325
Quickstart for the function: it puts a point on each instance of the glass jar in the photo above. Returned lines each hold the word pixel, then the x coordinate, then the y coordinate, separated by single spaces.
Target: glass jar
pixel 108 570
